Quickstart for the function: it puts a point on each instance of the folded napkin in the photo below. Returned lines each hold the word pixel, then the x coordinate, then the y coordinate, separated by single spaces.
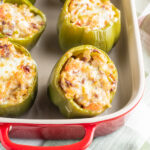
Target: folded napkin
pixel 144 24
pixel 135 134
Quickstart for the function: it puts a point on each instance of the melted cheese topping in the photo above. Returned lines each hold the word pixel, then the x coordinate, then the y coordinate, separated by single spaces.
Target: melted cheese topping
pixel 89 80
pixel 93 14
pixel 17 73
pixel 18 21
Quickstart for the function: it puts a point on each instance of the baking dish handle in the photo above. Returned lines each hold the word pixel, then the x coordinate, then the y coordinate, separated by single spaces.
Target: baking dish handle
pixel 82 145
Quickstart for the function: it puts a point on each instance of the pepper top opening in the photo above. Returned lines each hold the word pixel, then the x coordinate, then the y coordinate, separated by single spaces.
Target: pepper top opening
pixel 18 21
pixel 92 14
pixel 89 78
pixel 17 73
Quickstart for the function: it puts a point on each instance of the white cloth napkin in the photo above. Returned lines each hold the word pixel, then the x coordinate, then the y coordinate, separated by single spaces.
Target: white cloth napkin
pixel 135 134
pixel 144 23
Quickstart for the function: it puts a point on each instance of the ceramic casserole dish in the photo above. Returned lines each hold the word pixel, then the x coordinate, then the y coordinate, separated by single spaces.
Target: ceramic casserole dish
pixel 45 121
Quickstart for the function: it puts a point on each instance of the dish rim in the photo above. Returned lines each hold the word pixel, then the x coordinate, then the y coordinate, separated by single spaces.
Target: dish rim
pixel 134 100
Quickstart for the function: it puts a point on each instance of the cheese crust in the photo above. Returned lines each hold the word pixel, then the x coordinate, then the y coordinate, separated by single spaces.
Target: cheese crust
pixel 89 80
pixel 93 14
pixel 17 73
pixel 17 21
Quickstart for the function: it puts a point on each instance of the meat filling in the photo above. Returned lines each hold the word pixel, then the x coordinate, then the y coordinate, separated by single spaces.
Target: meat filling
pixel 89 80
pixel 93 14
pixel 17 21
pixel 17 73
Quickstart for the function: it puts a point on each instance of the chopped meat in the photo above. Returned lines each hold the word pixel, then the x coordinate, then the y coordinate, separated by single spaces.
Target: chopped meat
pixel 88 84
pixel 93 14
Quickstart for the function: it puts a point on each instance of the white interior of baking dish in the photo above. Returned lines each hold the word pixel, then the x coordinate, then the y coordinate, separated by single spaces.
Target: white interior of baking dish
pixel 126 54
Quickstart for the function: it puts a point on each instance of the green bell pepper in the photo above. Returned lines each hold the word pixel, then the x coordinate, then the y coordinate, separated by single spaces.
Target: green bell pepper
pixel 19 108
pixel 30 41
pixel 68 107
pixel 32 1
pixel 71 35
pixel 63 1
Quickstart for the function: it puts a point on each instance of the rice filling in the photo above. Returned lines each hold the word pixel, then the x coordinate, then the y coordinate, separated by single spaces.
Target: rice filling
pixel 17 21
pixel 17 73
pixel 89 80
pixel 93 14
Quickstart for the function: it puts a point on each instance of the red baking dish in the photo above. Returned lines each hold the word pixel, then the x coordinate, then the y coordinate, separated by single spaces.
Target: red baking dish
pixel 45 121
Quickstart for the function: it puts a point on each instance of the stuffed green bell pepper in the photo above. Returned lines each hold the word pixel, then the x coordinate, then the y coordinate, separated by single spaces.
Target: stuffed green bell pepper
pixel 83 82
pixel 21 22
pixel 18 79
pixel 94 22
